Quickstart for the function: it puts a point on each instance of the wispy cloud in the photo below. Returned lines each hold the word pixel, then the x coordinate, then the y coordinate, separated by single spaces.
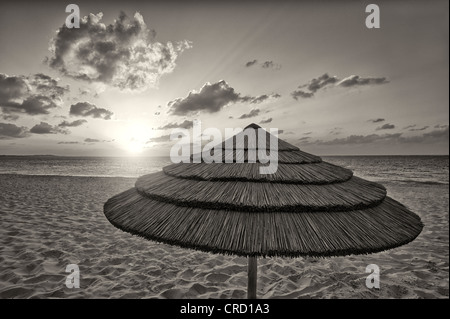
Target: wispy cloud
pixel 378 120
pixel 356 80
pixel 266 121
pixel 186 124
pixel 436 136
pixel 309 89
pixel 72 124
pixel 264 65
pixel 252 113
pixel 386 126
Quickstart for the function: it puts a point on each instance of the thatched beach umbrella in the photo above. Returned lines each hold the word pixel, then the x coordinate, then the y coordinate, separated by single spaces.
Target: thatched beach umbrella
pixel 307 208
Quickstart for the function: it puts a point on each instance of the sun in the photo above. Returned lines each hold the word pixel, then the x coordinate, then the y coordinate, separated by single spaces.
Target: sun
pixel 135 137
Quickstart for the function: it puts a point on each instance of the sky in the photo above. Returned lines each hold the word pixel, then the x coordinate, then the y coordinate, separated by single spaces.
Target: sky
pixel 136 70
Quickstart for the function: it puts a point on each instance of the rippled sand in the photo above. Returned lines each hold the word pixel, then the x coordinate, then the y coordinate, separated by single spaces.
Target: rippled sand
pixel 49 222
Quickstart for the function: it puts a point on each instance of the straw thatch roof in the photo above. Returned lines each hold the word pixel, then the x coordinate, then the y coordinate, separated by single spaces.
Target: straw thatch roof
pixel 307 208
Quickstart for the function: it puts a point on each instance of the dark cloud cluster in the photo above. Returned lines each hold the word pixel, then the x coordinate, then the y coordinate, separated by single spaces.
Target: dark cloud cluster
pixel 87 109
pixel 32 95
pixel 8 131
pixel 123 54
pixel 309 89
pixel 212 98
pixel 45 128
pixel 386 126
pixel 186 124
pixel 252 113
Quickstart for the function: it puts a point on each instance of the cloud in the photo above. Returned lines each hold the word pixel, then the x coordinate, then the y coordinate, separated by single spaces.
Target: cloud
pixel 266 121
pixel 358 139
pixel 94 140
pixel 8 131
pixel 45 128
pixel 437 136
pixel 419 129
pixel 10 117
pixel 309 89
pixel 251 63
pixel 271 65
pixel 122 54
pixel 299 93
pixel 316 84
pixel 211 98
pixel 441 126
pixel 159 139
pixel 336 131
pixel 264 65
pixel 68 142
pixel 356 80
pixel 260 99
pixel 86 109
pixel 252 113
pixel 186 124
pixel 157 113
pixel 440 135
pixel 386 126
pixel 305 138
pixel 32 95
pixel 378 120
pixel 72 124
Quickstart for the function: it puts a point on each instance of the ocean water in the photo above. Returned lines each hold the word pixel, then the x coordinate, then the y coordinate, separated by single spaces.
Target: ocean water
pixel 392 169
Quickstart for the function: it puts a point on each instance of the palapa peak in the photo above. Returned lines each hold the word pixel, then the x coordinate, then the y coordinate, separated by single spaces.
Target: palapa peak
pixel 253 126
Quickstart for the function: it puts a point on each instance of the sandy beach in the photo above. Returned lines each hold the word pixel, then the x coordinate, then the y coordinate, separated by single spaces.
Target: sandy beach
pixel 49 222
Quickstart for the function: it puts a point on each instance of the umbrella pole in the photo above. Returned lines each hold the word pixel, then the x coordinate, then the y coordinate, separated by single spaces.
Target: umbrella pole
pixel 252 272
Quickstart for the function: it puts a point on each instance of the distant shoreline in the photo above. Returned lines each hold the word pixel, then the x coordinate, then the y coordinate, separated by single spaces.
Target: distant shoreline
pixel 328 155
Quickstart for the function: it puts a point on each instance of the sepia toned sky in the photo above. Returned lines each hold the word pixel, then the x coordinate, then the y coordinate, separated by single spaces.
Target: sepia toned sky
pixel 135 70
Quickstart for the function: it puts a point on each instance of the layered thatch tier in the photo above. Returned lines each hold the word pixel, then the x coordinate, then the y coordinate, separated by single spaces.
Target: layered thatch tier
pixel 316 173
pixel 355 193
pixel 370 230
pixel 308 207
pixel 284 157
